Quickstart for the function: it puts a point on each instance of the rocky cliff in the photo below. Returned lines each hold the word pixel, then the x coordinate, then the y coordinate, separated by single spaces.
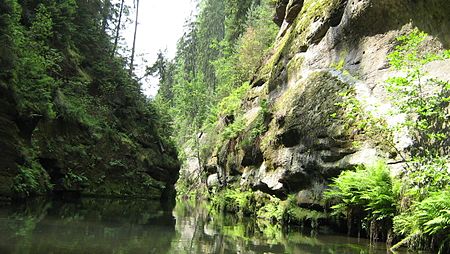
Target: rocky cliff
pixel 296 136
pixel 72 118
pixel 44 155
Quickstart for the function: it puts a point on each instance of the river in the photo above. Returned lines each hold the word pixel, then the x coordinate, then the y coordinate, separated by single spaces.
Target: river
pixel 95 225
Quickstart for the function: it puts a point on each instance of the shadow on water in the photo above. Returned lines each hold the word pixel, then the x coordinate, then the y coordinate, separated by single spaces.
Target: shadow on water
pixel 86 225
pixel 94 225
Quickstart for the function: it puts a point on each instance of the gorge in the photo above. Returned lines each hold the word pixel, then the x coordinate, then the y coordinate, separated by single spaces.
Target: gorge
pixel 312 116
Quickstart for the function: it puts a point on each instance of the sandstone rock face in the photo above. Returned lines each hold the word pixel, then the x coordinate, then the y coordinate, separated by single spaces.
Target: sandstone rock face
pixel 325 47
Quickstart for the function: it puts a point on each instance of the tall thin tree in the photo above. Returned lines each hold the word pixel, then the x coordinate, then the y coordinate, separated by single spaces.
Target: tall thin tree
pixel 116 39
pixel 134 38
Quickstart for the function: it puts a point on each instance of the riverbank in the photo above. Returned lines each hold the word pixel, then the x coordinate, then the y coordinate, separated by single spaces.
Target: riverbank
pixel 99 225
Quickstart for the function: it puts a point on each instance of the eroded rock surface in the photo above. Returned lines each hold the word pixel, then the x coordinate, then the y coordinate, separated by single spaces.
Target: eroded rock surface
pixel 324 47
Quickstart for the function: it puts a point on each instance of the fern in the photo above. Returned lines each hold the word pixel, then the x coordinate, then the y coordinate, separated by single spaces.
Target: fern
pixel 427 219
pixel 370 188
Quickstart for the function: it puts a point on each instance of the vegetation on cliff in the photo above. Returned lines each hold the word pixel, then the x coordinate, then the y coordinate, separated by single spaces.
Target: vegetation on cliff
pixel 76 118
pixel 274 128
pixel 216 57
pixel 240 135
pixel 410 203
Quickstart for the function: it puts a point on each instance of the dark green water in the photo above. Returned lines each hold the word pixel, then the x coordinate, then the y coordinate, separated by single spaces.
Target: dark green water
pixel 136 226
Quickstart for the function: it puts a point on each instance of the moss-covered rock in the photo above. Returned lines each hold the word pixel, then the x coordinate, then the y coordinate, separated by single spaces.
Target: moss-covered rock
pixel 103 163
pixel 329 48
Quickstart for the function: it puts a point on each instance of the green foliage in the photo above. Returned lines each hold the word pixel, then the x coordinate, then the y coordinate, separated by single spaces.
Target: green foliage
pixel 293 214
pixel 76 104
pixel 73 109
pixel 35 61
pixel 408 54
pixel 339 65
pixel 209 76
pixel 426 220
pixel 234 200
pixel 423 101
pixel 31 179
pixel 352 109
pixel 231 105
pixel 74 180
pixel 274 211
pixel 257 128
pixel 427 175
pixel 370 188
pixel 240 62
pixel 269 210
pixel 257 40
pixel 234 129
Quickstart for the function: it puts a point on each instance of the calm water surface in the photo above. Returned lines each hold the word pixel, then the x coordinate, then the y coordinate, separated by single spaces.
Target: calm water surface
pixel 93 225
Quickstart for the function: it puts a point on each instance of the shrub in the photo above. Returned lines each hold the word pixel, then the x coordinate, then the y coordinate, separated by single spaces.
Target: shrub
pixel 31 179
pixel 370 189
pixel 273 210
pixel 426 222
pixel 234 200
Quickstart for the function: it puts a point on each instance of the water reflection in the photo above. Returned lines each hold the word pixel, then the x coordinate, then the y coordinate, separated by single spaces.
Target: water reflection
pixel 137 226
pixel 203 232
pixel 86 226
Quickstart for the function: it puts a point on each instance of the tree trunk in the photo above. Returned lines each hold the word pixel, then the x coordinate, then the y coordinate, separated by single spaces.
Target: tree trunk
pixel 116 39
pixel 134 38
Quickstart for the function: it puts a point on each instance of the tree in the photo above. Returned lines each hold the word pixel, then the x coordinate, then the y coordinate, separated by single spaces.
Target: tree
pixel 134 37
pixel 119 22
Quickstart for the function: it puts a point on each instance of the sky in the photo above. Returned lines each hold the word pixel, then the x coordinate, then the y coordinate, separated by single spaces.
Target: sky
pixel 161 24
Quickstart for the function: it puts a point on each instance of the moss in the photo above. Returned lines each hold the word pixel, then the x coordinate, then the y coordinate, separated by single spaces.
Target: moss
pixel 294 68
pixel 319 87
pixel 267 209
pixel 270 65
pixel 273 210
pixel 296 38
pixel 311 11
